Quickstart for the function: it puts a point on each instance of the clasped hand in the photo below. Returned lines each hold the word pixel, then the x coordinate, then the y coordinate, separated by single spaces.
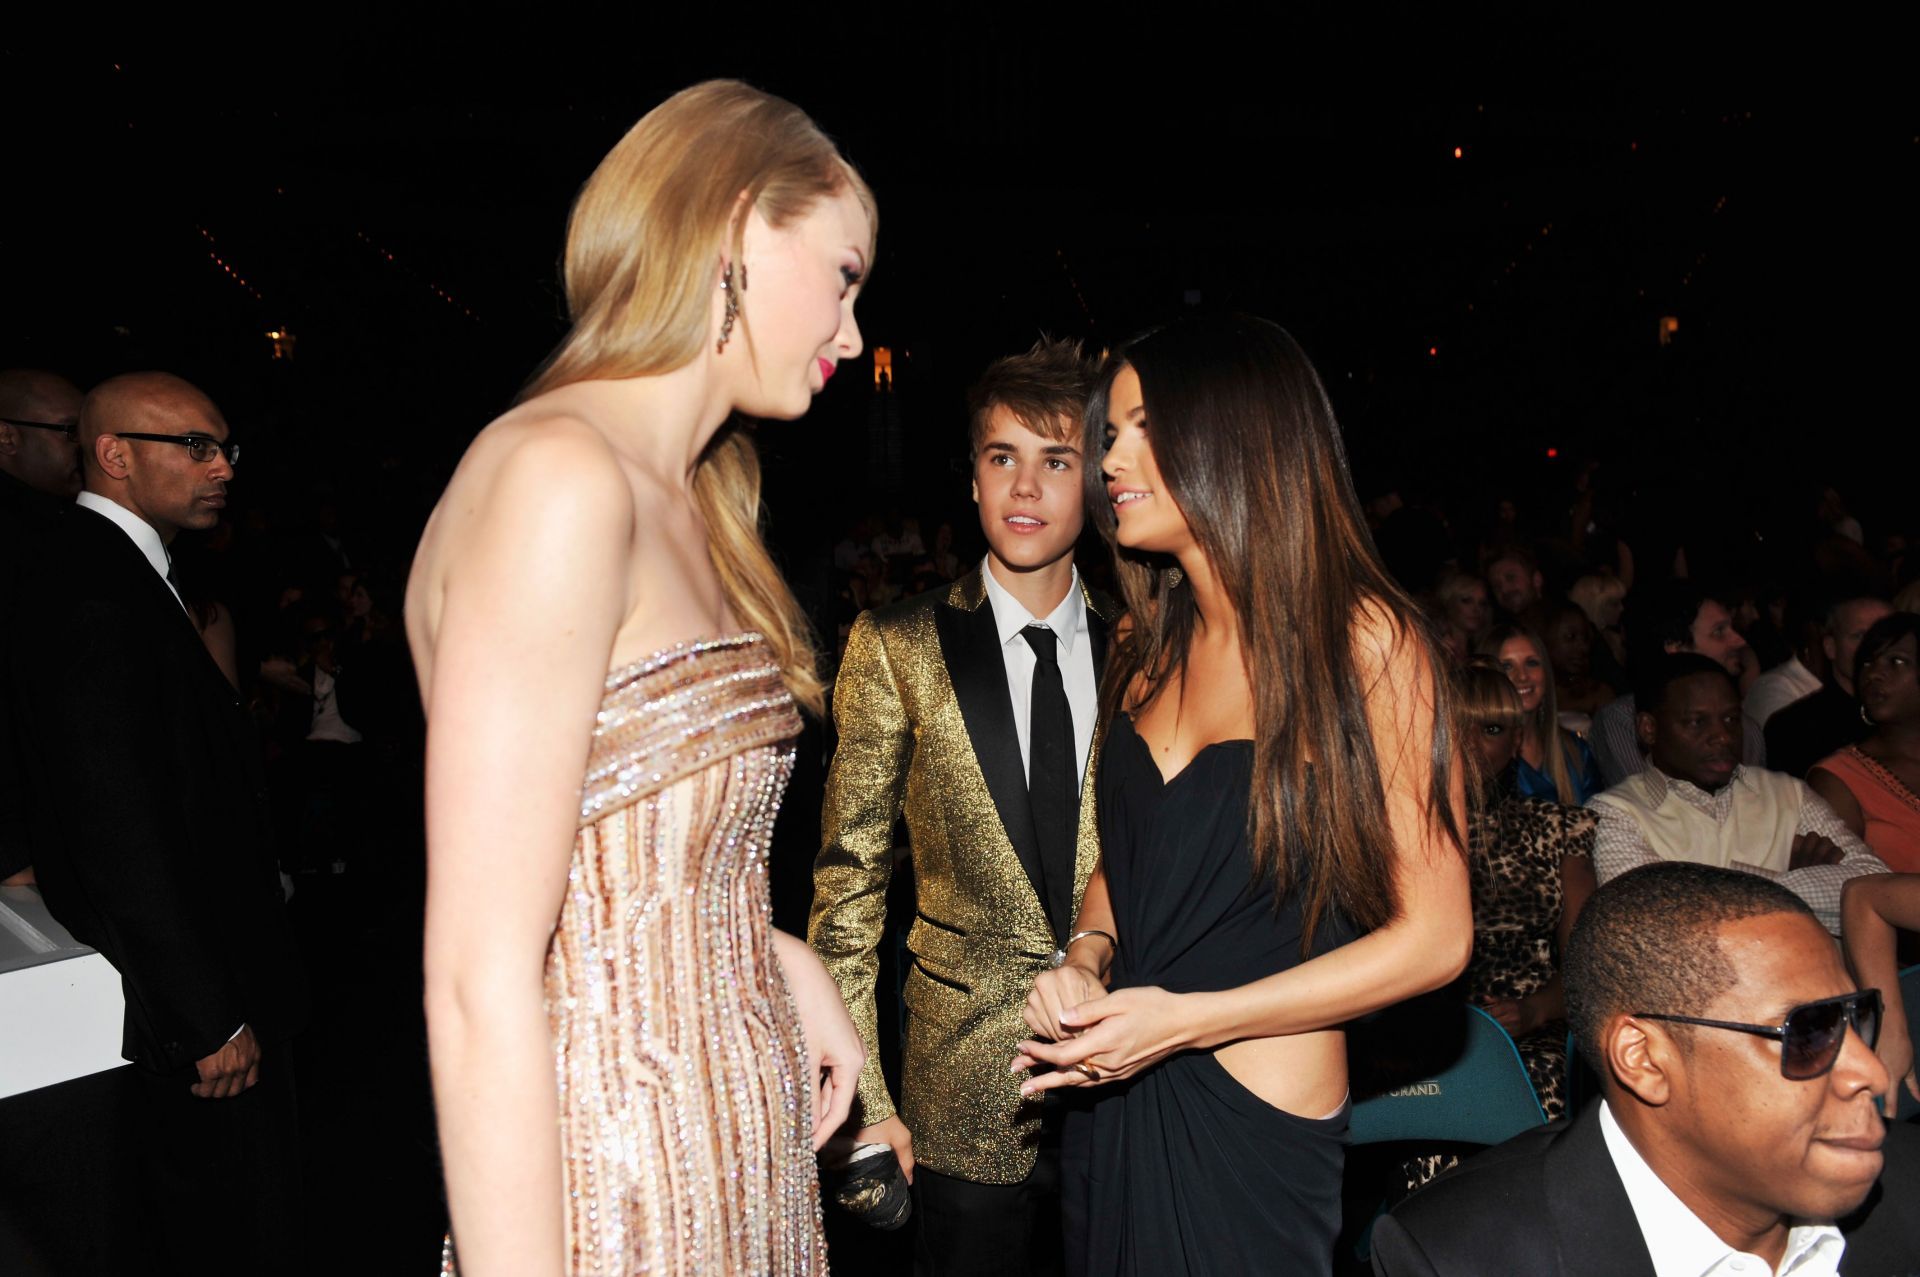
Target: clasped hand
pixel 1076 1022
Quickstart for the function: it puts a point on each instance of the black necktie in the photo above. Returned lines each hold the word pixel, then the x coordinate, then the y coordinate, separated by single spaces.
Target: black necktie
pixel 1053 779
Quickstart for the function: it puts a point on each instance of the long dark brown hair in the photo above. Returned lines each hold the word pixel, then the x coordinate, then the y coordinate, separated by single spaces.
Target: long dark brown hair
pixel 1247 447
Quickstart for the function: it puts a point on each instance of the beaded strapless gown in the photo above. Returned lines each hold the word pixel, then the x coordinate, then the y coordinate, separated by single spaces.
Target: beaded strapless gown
pixel 685 1110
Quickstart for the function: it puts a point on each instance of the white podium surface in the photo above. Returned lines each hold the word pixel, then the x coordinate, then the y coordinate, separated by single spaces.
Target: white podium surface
pixel 61 1005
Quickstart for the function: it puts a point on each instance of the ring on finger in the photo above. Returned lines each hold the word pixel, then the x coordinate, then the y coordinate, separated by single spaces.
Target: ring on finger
pixel 1087 1071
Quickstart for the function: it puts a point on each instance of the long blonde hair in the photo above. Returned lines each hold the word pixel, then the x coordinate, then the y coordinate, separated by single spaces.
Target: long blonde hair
pixel 645 239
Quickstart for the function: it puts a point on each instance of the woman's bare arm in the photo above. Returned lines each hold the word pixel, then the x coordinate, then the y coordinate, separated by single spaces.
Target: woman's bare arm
pixel 530 604
pixel 1873 910
pixel 1424 947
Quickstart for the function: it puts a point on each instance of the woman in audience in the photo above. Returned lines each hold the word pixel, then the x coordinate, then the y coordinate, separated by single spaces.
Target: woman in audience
pixel 1872 914
pixel 1532 867
pixel 1874 787
pixel 1603 599
pixel 1552 762
pixel 1464 605
pixel 1570 643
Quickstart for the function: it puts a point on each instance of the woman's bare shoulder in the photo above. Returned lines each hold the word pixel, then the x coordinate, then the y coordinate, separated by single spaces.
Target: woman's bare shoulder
pixel 1384 640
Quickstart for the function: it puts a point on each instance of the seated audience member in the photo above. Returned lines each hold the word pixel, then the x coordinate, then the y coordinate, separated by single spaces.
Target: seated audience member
pixel 1532 864
pixel 39 473
pixel 1513 578
pixel 1603 599
pixel 1678 617
pixel 1738 1131
pixel 1874 786
pixel 1907 597
pixel 1794 678
pixel 1570 644
pixel 1811 728
pixel 1873 912
pixel 1552 763
pixel 1464 605
pixel 1695 800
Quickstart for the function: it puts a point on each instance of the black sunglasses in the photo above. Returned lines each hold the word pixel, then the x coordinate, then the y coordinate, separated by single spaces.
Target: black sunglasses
pixel 202 448
pixel 70 429
pixel 1811 1035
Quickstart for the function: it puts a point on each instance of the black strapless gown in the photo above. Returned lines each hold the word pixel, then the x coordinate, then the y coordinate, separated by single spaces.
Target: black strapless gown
pixel 1181 1169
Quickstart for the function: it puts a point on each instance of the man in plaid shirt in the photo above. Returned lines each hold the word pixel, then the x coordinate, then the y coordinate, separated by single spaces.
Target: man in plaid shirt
pixel 1695 801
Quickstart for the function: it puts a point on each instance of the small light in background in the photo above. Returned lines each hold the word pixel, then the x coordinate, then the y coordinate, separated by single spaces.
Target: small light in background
pixel 1433 352
pixel 882 368
pixel 1459 152
pixel 1669 325
pixel 282 340
pixel 1552 453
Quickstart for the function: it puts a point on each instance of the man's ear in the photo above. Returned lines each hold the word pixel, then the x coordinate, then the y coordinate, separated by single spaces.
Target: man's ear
pixel 110 454
pixel 9 439
pixel 976 492
pixel 1644 728
pixel 1827 646
pixel 1642 1059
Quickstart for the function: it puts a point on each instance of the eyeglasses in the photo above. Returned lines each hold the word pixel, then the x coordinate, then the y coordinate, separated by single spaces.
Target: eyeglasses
pixel 202 448
pixel 1811 1035
pixel 70 429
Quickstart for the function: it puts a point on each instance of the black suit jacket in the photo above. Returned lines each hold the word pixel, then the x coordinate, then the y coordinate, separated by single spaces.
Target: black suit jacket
pixel 1549 1203
pixel 24 512
pixel 146 796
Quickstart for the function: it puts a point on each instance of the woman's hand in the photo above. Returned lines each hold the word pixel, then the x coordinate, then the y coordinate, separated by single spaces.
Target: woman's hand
pixel 835 1054
pixel 1117 1036
pixel 1055 992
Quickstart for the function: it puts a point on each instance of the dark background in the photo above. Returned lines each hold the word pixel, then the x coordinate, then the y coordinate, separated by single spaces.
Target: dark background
pixel 396 198
pixel 393 189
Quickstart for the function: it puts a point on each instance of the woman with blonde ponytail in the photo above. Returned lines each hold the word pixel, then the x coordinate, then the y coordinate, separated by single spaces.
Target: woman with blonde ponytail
pixel 631 1066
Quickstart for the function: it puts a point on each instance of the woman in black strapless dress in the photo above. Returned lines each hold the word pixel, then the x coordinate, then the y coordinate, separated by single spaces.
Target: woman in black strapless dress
pixel 1280 816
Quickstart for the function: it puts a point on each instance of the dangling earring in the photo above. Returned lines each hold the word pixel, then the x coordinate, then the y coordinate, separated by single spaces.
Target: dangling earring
pixel 1863 717
pixel 733 305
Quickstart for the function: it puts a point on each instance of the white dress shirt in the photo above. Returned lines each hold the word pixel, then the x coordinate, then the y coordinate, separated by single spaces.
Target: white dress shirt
pixel 1778 688
pixel 1069 625
pixel 138 530
pixel 1683 1246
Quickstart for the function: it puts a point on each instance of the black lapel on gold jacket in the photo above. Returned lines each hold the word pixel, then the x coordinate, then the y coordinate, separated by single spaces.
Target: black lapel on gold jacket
pixel 970 645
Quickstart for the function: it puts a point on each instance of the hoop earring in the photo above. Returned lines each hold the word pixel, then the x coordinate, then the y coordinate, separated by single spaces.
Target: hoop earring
pixel 1863 717
pixel 733 305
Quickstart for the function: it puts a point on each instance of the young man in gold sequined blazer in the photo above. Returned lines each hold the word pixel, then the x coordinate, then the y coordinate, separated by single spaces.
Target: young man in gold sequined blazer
pixel 970 711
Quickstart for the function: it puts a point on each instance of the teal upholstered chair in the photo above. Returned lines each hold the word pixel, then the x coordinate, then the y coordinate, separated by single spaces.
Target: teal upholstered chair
pixel 1484 1097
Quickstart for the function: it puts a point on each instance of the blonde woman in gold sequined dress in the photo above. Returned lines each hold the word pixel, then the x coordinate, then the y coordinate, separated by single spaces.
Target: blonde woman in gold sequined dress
pixel 631 1066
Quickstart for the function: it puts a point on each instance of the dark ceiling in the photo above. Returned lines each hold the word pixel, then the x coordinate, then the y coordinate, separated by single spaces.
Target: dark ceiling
pixel 1477 260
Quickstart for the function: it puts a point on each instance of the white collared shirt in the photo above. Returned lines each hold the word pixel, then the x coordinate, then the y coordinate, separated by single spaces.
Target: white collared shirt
pixel 1069 625
pixel 138 530
pixel 1778 688
pixel 1683 1246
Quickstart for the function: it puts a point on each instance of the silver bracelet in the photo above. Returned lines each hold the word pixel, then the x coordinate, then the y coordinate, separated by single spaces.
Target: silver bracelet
pixel 1060 954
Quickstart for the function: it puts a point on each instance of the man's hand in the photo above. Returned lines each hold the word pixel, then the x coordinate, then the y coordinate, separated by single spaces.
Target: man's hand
pixel 231 1069
pixel 1810 849
pixel 894 1134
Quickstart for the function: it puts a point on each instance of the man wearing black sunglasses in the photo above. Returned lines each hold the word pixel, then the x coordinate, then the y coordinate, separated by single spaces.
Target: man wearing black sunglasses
pixel 39 473
pixel 1738 1131
pixel 38 412
pixel 147 802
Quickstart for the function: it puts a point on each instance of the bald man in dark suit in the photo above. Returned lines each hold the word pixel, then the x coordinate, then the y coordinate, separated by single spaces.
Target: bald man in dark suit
pixel 146 801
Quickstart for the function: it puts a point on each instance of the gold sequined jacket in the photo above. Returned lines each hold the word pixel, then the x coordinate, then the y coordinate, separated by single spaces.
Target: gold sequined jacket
pixel 926 731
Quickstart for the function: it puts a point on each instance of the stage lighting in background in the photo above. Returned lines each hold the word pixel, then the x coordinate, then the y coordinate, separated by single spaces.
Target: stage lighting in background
pixel 1669 325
